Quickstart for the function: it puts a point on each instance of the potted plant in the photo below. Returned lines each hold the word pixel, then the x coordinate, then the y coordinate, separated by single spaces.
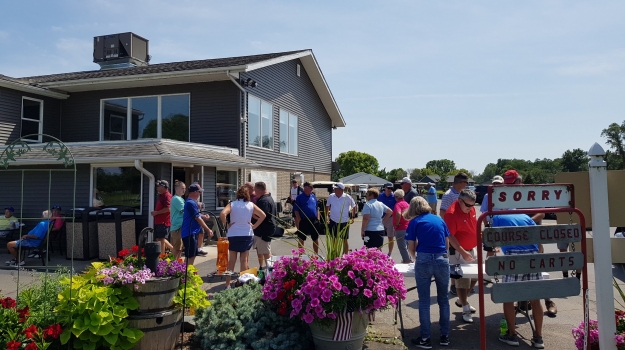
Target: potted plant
pixel 335 297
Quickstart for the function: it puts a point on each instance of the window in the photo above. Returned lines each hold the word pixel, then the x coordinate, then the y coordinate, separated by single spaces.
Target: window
pixel 117 186
pixel 260 121
pixel 32 119
pixel 134 118
pixel 288 132
pixel 226 187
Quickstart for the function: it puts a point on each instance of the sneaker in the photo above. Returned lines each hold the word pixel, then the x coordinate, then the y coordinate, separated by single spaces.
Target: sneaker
pixel 22 263
pixel 452 290
pixel 10 262
pixel 36 256
pixel 467 317
pixel 509 339
pixel 537 342
pixel 444 340
pixel 471 308
pixel 422 343
pixel 201 251
pixel 32 255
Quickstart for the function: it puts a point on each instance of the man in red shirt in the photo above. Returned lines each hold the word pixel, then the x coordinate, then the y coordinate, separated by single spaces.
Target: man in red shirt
pixel 162 221
pixel 461 221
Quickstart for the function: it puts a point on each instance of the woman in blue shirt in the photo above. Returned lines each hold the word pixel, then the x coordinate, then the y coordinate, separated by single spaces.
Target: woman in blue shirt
pixel 427 235
pixel 373 212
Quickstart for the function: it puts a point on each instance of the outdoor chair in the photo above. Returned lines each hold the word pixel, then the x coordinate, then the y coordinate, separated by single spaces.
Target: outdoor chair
pixel 40 251
pixel 59 240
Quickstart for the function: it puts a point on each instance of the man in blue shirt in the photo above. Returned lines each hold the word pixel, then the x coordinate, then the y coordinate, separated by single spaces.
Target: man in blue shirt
pixel 388 198
pixel 31 240
pixel 307 217
pixel 431 197
pixel 193 223
pixel 508 308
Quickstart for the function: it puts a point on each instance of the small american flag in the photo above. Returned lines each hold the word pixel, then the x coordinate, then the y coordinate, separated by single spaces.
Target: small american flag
pixel 343 328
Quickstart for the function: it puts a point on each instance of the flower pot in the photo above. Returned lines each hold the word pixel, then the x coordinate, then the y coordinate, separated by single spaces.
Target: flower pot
pixel 330 337
pixel 156 294
pixel 161 329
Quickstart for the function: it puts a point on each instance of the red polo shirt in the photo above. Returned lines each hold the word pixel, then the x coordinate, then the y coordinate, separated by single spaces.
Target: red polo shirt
pixel 462 226
pixel 164 201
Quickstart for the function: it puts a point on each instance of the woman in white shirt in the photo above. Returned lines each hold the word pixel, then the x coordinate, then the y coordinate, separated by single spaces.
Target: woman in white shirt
pixel 240 229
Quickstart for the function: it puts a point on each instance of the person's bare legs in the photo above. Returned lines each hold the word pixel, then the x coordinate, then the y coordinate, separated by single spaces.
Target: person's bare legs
pixel 391 244
pixel 537 314
pixel 165 244
pixel 245 259
pixel 510 314
pixel 300 243
pixel 232 260
pixel 316 246
pixel 200 240
pixel 191 260
pixel 345 246
pixel 263 259
pixel 12 247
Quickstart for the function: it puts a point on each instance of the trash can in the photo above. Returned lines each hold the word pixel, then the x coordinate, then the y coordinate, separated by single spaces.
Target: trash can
pixel 84 233
pixel 116 230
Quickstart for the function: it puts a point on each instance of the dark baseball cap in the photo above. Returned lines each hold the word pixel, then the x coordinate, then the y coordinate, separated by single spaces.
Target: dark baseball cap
pixel 11 209
pixel 162 183
pixel 195 188
pixel 388 184
pixel 307 184
pixel 56 207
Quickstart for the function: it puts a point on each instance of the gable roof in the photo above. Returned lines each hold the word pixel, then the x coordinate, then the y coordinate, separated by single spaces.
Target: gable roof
pixel 363 178
pixel 187 72
pixel 430 178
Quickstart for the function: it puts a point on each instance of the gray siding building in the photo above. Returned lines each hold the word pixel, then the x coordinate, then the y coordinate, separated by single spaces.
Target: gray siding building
pixel 219 122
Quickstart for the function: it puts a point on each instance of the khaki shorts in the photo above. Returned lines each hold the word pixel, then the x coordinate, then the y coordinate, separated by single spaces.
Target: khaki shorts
pixel 389 228
pixel 262 247
pixel 176 240
pixel 434 206
pixel 463 283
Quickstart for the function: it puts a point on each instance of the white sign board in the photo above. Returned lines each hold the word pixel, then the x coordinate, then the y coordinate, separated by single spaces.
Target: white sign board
pixel 531 196
pixel 269 178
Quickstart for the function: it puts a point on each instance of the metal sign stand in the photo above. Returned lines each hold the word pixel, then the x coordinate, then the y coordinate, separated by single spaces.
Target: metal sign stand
pixel 534 199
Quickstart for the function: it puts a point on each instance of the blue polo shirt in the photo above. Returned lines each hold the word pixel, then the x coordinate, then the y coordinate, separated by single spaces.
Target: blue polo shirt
pixel 306 206
pixel 431 198
pixel 515 220
pixel 40 231
pixel 388 201
pixel 430 232
pixel 189 225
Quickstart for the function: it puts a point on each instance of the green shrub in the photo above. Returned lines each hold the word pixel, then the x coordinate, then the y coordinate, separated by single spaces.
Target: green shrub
pixel 239 319
pixel 42 297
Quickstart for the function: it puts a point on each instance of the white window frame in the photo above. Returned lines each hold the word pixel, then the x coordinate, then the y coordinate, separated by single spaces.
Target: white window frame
pixel 40 121
pixel 260 123
pixel 288 143
pixel 236 170
pixel 159 125
pixel 114 165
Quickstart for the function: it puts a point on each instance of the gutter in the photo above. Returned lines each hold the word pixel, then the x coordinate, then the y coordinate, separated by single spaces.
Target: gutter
pixel 32 89
pixel 242 122
pixel 152 185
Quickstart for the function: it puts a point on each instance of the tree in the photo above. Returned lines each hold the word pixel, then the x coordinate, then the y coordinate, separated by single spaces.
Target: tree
pixel 396 174
pixel 615 136
pixel 382 173
pixel 352 162
pixel 441 166
pixel 574 160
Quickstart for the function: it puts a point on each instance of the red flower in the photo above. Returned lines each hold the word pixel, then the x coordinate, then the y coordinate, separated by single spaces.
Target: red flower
pixel 23 314
pixel 290 297
pixel 8 303
pixel 282 309
pixel 281 295
pixel 119 260
pixel 53 331
pixel 31 331
pixel 123 253
pixel 135 248
pixel 289 285
pixel 163 256
pixel 13 345
pixel 31 346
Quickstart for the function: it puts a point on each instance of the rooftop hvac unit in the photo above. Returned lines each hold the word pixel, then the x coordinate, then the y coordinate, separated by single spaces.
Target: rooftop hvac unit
pixel 120 51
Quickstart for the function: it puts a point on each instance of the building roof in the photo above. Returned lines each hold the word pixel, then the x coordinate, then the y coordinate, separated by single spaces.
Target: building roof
pixel 363 178
pixel 16 84
pixel 430 178
pixel 450 178
pixel 147 150
pixel 181 73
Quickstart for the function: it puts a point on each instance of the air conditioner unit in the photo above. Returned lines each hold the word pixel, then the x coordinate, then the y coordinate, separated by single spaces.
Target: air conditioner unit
pixel 122 50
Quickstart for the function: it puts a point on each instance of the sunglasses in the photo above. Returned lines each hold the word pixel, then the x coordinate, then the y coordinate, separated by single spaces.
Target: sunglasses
pixel 466 204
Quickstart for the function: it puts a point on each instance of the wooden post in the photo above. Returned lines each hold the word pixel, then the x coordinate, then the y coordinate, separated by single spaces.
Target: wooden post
pixel 601 242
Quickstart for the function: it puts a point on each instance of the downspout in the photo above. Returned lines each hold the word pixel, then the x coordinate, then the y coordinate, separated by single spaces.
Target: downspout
pixel 152 186
pixel 242 122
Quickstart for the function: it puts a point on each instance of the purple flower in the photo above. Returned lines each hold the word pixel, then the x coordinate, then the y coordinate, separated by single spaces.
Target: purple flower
pixel 367 293
pixel 326 295
pixel 314 302
pixel 346 290
pixel 358 282
pixel 308 318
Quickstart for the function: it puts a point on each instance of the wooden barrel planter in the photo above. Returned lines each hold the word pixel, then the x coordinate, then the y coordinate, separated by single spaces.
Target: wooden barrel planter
pixel 161 329
pixel 157 294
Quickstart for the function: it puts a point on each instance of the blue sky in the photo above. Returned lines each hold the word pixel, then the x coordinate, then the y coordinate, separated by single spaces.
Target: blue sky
pixel 415 80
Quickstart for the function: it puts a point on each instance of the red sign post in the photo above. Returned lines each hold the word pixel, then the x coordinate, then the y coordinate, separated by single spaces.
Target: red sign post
pixel 530 199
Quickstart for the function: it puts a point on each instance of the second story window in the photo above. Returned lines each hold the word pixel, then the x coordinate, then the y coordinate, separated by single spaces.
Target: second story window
pixel 131 118
pixel 32 119
pixel 288 132
pixel 260 123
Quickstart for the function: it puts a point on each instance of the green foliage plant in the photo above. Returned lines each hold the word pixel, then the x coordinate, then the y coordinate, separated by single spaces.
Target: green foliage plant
pixel 41 296
pixel 95 314
pixel 239 320
pixel 195 295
